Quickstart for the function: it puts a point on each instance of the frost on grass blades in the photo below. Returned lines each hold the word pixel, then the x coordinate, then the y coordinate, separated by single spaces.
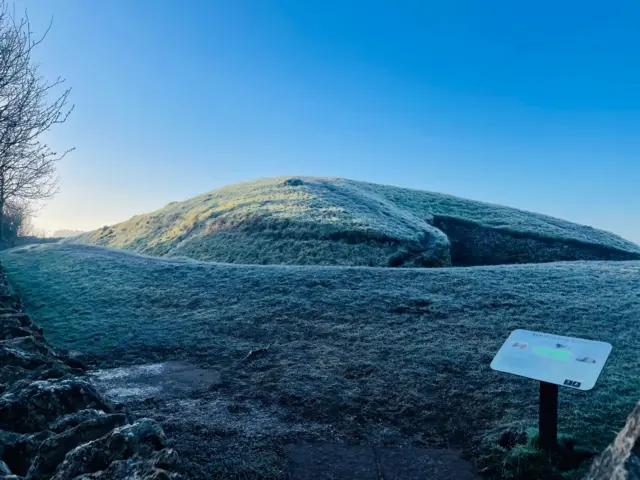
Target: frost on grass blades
pixel 383 355
pixel 553 360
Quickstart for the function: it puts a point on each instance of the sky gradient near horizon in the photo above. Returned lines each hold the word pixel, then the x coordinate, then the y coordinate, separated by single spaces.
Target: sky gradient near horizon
pixel 530 105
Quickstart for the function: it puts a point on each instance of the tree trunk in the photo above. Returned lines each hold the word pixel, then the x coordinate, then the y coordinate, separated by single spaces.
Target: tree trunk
pixel 1 221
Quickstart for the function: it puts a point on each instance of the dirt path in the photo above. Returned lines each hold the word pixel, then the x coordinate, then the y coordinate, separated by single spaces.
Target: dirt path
pixel 173 384
pixel 366 462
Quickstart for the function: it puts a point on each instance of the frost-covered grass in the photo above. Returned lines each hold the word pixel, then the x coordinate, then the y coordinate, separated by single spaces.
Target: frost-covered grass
pixel 395 356
pixel 325 221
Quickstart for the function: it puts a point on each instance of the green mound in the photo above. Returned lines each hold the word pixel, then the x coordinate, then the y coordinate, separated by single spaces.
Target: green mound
pixel 320 221
pixel 356 355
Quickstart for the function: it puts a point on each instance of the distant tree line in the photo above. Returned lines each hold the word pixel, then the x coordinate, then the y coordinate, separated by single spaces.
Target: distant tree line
pixel 30 105
pixel 65 233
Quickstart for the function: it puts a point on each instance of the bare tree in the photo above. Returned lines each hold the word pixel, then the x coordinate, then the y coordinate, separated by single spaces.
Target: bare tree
pixel 27 164
pixel 17 220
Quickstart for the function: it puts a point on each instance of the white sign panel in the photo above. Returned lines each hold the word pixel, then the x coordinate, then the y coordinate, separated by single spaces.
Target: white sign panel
pixel 567 361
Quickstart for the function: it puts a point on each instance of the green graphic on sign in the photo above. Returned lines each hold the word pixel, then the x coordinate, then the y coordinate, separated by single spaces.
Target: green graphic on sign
pixel 560 354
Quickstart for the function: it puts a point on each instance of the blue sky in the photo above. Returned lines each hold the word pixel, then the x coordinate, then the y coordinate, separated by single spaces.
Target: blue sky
pixel 534 105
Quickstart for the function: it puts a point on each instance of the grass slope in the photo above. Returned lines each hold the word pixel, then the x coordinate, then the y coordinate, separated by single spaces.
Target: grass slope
pixel 320 221
pixel 364 355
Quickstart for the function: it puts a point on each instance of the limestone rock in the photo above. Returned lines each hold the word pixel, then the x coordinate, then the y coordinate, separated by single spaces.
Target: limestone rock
pixel 11 303
pixel 619 460
pixel 30 408
pixel 76 360
pixel 17 451
pixel 9 374
pixel 4 469
pixel 10 328
pixel 74 419
pixel 54 422
pixel 11 354
pixel 131 442
pixel 56 370
pixel 32 345
pixel 72 358
pixel 29 357
pixel 21 317
pixel 633 468
pixel 52 451
pixel 131 469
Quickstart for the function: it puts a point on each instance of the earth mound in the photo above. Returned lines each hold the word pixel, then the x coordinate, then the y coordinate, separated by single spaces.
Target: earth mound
pixel 332 221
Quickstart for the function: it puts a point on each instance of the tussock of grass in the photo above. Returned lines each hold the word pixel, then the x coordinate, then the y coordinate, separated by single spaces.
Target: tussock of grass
pixel 382 356
pixel 321 221
pixel 521 458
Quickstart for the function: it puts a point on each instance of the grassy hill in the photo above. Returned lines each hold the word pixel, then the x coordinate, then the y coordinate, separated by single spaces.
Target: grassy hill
pixel 322 221
pixel 361 355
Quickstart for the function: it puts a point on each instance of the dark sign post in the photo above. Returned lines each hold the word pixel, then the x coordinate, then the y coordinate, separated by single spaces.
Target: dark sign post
pixel 552 360
pixel 548 421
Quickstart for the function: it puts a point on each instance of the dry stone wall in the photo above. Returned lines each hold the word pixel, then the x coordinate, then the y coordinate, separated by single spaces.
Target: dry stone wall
pixel 621 459
pixel 53 422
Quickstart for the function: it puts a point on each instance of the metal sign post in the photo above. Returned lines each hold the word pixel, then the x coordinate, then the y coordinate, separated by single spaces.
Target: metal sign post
pixel 552 360
pixel 548 420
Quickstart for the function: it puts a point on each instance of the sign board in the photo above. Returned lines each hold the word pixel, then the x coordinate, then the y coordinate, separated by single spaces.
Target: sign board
pixel 567 361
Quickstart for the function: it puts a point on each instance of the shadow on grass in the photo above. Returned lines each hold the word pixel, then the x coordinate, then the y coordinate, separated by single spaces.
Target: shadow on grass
pixel 516 454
